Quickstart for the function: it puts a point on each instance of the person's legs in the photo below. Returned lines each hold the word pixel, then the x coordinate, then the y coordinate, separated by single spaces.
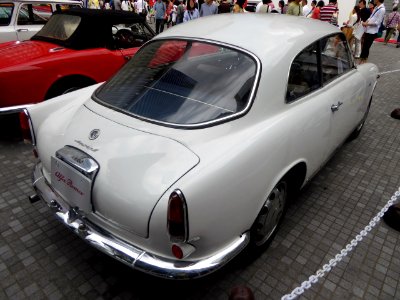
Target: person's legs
pixel 368 40
pixel 398 41
pixel 357 48
pixel 389 33
pixel 158 21
pixel 161 25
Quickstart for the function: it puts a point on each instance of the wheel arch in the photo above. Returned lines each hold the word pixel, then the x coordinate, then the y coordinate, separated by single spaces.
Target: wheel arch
pixel 83 81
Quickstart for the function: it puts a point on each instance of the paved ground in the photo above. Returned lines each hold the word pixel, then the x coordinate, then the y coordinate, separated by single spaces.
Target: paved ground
pixel 39 258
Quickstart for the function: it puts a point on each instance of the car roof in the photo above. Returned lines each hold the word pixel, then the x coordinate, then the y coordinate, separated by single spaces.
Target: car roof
pixel 271 36
pixel 94 29
pixel 44 1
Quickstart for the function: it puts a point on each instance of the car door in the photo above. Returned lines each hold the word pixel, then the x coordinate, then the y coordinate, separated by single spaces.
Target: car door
pixel 343 86
pixel 7 32
pixel 309 108
pixel 30 19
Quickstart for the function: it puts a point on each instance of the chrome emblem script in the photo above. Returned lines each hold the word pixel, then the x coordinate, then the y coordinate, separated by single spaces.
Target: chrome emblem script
pixel 94 134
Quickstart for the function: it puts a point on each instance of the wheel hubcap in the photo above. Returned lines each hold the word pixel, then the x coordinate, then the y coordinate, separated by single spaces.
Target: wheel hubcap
pixel 270 214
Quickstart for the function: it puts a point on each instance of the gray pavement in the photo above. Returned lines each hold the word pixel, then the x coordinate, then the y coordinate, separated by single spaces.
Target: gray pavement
pixel 41 259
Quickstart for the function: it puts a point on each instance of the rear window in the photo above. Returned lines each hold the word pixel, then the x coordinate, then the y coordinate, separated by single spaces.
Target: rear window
pixel 180 82
pixel 6 10
pixel 60 27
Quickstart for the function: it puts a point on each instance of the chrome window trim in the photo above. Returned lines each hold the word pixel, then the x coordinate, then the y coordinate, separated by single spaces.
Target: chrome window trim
pixel 322 83
pixel 203 124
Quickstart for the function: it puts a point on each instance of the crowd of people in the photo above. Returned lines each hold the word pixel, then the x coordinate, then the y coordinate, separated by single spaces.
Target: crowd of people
pixel 365 23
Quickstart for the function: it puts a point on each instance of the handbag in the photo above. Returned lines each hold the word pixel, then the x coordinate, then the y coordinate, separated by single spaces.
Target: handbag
pixel 358 31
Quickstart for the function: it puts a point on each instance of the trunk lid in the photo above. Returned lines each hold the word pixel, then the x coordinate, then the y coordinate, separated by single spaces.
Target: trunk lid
pixel 135 167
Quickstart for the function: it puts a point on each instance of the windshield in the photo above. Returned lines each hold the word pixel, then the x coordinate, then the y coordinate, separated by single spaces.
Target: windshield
pixel 60 27
pixel 5 13
pixel 183 82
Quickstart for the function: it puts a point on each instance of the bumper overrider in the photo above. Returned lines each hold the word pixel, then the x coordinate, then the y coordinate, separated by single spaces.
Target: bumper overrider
pixel 122 250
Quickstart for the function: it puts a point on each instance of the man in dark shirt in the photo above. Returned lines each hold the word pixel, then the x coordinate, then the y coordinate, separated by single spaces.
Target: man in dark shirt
pixel 365 13
pixel 224 7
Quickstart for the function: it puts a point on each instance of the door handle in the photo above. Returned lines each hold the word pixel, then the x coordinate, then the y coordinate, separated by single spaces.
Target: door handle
pixel 335 107
pixel 22 29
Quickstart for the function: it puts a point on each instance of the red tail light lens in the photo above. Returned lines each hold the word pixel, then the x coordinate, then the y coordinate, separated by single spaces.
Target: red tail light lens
pixel 25 124
pixel 177 217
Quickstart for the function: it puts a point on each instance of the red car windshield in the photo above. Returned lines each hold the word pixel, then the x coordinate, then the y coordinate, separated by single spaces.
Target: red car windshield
pixel 180 82
pixel 5 13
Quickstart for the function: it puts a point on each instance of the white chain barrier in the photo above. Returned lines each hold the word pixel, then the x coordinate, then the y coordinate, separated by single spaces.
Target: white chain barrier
pixel 344 252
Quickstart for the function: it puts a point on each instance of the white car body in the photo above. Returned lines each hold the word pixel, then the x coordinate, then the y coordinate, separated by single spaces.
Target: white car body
pixel 14 31
pixel 225 170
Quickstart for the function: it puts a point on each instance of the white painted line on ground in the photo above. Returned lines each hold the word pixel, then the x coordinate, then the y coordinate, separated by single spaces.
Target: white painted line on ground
pixel 388 72
pixel 342 253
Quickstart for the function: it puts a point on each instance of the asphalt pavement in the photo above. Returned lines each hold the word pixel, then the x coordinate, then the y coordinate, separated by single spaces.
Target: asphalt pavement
pixel 41 259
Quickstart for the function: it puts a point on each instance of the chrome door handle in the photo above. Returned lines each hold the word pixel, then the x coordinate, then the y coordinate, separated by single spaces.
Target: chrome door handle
pixel 22 29
pixel 335 107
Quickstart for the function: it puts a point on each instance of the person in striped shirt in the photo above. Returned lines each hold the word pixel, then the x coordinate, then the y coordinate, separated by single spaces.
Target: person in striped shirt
pixel 328 11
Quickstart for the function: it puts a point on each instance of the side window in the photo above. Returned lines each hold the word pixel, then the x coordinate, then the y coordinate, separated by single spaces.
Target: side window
pixel 62 7
pixel 34 14
pixel 304 74
pixel 335 58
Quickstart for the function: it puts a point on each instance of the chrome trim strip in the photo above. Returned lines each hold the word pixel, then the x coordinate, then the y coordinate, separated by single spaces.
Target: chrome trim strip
pixel 202 124
pixel 14 109
pixel 126 253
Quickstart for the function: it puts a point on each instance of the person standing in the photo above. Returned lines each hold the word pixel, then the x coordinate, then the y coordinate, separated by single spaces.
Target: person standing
pixel 160 10
pixel 392 21
pixel 238 7
pixel 329 11
pixel 305 7
pixel 224 7
pixel 180 11
pixel 294 8
pixel 365 13
pixel 191 12
pixel 208 8
pixel 371 29
pixel 117 4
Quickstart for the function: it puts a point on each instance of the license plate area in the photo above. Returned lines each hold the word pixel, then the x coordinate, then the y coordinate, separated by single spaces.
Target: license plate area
pixel 71 184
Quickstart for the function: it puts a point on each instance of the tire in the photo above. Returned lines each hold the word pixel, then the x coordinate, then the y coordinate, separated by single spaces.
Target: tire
pixel 270 216
pixel 356 132
pixel 68 85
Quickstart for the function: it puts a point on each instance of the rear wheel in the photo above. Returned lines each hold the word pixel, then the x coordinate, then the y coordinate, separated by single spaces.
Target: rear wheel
pixel 67 85
pixel 269 218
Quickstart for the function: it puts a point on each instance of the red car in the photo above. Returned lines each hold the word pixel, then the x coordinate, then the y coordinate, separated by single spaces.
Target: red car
pixel 76 48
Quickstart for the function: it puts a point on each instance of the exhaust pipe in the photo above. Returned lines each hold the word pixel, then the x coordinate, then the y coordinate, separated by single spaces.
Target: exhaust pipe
pixel 34 198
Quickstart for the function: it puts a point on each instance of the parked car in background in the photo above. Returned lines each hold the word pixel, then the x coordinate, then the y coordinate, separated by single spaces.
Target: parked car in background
pixel 194 148
pixel 21 19
pixel 76 48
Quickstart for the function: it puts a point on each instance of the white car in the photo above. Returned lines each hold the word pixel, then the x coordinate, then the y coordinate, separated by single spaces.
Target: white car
pixel 21 19
pixel 193 149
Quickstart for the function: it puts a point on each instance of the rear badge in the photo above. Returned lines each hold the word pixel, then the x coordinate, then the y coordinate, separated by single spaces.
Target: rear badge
pixel 94 134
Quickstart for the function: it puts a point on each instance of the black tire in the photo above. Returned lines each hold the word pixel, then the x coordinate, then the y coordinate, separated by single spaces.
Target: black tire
pixel 270 216
pixel 67 85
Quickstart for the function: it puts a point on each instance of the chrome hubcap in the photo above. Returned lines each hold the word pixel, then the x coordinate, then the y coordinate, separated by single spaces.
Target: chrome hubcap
pixel 270 214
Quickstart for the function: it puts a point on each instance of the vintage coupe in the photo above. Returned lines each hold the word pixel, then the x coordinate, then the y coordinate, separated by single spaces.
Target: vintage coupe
pixel 76 48
pixel 193 149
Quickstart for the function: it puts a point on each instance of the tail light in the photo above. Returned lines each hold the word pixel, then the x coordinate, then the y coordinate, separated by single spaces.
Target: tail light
pixel 177 219
pixel 27 129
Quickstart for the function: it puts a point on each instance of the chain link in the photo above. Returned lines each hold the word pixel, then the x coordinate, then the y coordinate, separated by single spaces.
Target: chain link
pixel 305 285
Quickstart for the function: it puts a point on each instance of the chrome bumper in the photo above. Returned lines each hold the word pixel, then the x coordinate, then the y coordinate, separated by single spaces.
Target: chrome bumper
pixel 125 252
pixel 13 109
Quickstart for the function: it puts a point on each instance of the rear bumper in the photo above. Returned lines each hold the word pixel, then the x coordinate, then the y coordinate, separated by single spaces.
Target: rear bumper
pixel 125 252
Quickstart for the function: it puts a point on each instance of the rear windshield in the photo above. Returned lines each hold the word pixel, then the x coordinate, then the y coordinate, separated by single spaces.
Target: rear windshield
pixel 183 82
pixel 60 27
pixel 6 10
